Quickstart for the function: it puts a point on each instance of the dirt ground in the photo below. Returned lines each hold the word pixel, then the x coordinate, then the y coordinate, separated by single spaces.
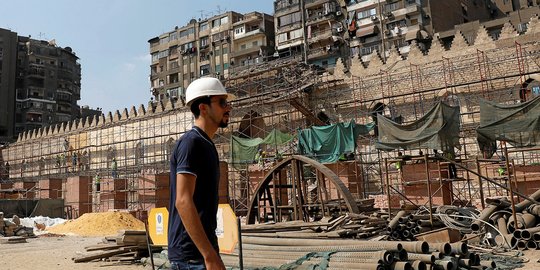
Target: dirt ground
pixel 54 253
pixel 57 253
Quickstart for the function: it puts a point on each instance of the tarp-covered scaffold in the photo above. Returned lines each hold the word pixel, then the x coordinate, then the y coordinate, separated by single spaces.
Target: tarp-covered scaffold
pixel 327 143
pixel 245 149
pixel 437 129
pixel 517 124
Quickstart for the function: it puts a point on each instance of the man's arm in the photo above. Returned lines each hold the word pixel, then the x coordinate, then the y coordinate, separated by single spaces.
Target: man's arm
pixel 185 188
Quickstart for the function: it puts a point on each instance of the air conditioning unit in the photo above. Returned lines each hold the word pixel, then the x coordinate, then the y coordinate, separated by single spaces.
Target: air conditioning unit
pixel 374 18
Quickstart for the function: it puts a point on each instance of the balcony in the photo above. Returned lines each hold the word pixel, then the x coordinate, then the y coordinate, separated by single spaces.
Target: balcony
pixel 247 51
pixel 285 9
pixel 314 3
pixel 318 36
pixel 249 34
pixel 38 73
pixel 249 19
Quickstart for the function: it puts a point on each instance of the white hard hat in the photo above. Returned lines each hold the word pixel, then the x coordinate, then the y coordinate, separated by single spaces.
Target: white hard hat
pixel 206 86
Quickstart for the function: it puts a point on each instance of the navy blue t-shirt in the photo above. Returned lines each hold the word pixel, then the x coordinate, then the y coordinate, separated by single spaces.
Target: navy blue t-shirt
pixel 194 154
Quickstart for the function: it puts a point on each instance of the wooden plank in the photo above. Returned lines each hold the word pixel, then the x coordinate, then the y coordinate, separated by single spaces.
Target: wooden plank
pixel 104 254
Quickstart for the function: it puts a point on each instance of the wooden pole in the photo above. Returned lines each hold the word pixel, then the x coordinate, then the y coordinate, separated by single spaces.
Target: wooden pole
pixel 510 184
pixel 387 186
pixel 426 160
pixel 480 184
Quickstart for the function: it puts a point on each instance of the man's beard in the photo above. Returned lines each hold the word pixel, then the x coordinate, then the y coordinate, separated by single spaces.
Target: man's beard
pixel 224 123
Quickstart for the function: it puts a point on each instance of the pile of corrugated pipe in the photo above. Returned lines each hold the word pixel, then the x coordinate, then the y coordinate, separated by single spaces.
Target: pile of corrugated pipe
pixel 519 229
pixel 291 253
pixel 405 226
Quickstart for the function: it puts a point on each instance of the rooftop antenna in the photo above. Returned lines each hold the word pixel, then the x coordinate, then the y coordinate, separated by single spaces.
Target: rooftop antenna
pixel 218 9
pixel 202 13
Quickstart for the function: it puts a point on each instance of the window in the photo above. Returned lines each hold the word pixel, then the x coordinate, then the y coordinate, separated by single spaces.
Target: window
pixel 163 54
pixel 296 34
pixel 255 43
pixel 224 20
pixel 205 70
pixel 366 13
pixel 173 36
pixel 243 47
pixel 203 26
pixel 239 30
pixel 164 40
pixel 225 50
pixel 217 52
pixel 215 23
pixel 204 41
pixel 290 19
pixel 218 68
pixel 225 66
pixel 187 32
pixel 280 38
pixel 155 56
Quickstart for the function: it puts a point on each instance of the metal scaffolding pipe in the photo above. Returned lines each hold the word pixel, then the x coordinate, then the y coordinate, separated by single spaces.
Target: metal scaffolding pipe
pixel 489 264
pixel 526 203
pixel 459 248
pixel 521 245
pixel 442 264
pixel 416 246
pixel 419 265
pixel 395 221
pixel 531 244
pixel 401 255
pixel 387 245
pixel 528 233
pixel 536 236
pixel 401 266
pixel 484 216
pixel 427 258
pixel 444 248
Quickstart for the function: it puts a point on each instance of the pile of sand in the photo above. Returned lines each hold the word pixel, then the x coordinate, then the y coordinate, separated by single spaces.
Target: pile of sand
pixel 98 224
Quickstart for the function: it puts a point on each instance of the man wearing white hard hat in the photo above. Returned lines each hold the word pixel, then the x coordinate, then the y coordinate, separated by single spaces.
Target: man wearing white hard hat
pixel 194 180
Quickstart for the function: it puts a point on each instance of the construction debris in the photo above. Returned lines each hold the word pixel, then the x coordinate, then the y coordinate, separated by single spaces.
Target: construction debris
pixel 13 230
pixel 126 246
pixel 99 224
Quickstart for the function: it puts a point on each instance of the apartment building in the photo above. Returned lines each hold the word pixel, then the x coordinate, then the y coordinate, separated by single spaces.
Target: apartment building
pixel 40 84
pixel 207 47
pixel 253 41
pixel 48 84
pixel 8 59
pixel 379 25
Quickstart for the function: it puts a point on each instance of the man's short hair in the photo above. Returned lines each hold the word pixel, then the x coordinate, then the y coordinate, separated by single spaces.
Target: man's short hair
pixel 195 105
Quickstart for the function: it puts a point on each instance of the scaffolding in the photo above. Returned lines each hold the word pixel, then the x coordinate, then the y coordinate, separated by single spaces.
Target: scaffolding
pixel 287 95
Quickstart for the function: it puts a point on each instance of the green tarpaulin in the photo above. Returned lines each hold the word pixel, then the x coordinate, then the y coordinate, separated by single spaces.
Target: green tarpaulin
pixel 437 129
pixel 517 124
pixel 328 143
pixel 245 149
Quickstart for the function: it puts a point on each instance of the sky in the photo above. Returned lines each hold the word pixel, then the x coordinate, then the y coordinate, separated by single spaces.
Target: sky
pixel 111 38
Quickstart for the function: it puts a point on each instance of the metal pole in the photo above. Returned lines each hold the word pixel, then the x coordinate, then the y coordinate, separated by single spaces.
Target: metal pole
pixel 480 184
pixel 387 187
pixel 240 252
pixel 426 160
pixel 382 29
pixel 510 184
pixel 303 11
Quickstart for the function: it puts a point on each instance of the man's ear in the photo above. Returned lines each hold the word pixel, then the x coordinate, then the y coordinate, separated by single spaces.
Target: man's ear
pixel 202 107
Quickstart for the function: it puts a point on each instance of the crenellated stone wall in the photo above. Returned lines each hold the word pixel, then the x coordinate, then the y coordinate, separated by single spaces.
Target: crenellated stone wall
pixel 141 139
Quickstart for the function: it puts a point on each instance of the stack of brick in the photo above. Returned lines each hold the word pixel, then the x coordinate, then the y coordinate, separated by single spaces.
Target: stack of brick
pixel 113 194
pixel 153 190
pixel 78 194
pixel 381 201
pixel 50 188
